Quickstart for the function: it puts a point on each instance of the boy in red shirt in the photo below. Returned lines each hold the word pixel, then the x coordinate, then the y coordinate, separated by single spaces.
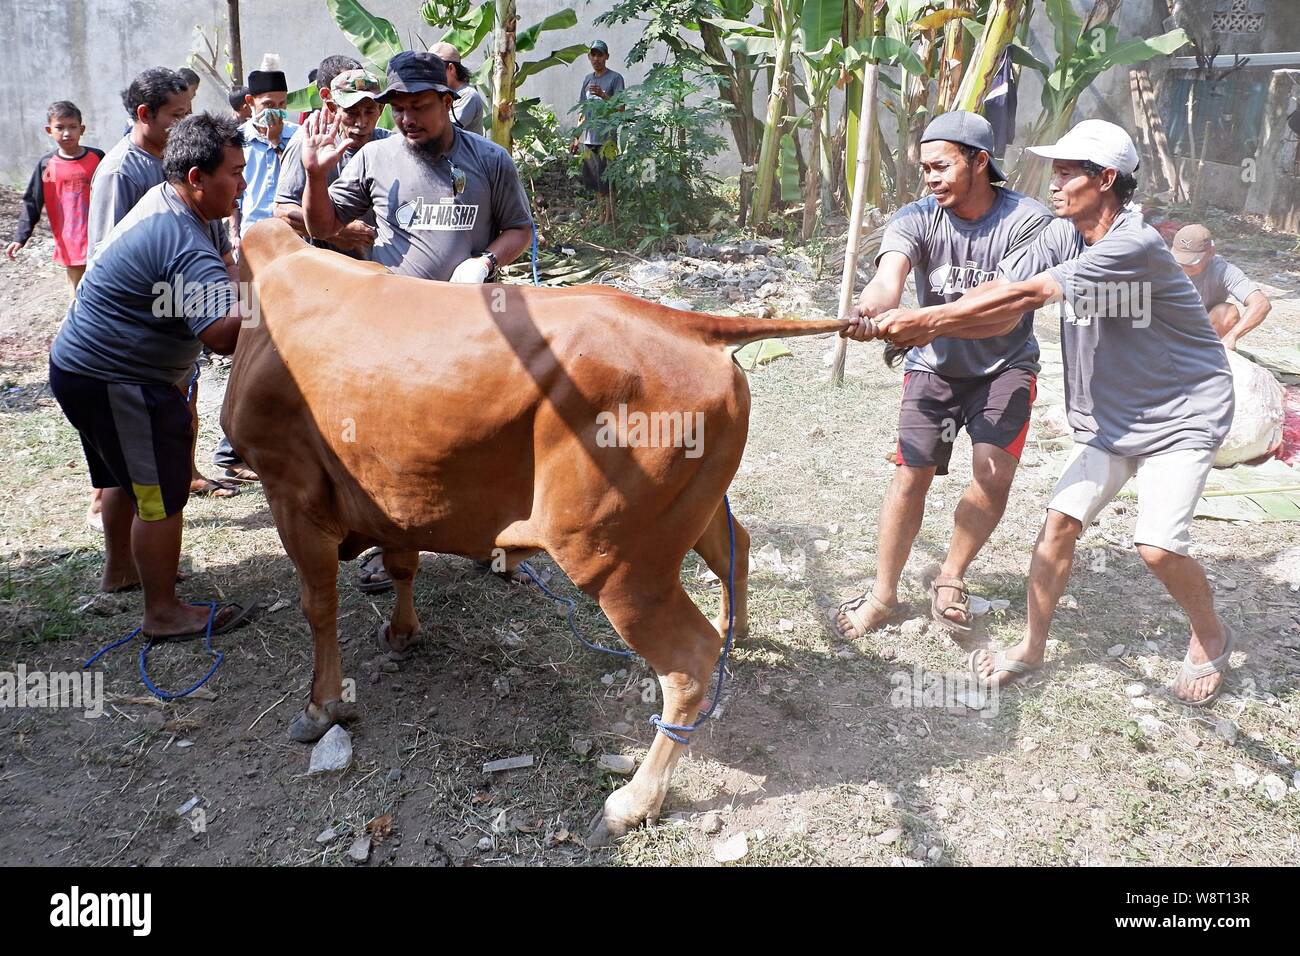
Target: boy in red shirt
pixel 61 184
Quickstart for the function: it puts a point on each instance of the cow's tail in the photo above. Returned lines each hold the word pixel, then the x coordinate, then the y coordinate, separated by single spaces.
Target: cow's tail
pixel 738 330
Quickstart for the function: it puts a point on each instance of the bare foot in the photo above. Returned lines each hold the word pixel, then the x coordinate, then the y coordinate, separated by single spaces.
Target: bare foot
pixel 1201 650
pixel 186 619
pixel 201 487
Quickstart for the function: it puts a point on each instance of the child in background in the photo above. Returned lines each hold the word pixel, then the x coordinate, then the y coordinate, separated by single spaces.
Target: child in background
pixel 61 184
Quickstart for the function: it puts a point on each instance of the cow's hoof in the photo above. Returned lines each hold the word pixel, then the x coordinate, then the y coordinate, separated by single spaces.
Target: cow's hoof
pixel 616 819
pixel 383 638
pixel 311 724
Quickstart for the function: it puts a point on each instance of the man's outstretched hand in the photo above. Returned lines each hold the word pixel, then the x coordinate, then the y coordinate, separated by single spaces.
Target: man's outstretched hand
pixel 323 143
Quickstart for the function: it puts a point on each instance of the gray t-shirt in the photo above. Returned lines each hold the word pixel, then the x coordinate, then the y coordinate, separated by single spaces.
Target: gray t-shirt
pixel 468 109
pixel 156 284
pixel 425 228
pixel 950 255
pixel 124 175
pixel 1221 279
pixel 594 134
pixel 1145 372
pixel 293 180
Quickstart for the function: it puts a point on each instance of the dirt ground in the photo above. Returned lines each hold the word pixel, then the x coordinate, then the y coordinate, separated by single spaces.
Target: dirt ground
pixel 809 757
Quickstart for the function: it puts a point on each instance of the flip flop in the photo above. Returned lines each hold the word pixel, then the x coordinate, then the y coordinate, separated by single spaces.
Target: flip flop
pixel 1220 665
pixel 373 580
pixel 1001 665
pixel 853 611
pixel 939 614
pixel 215 488
pixel 241 617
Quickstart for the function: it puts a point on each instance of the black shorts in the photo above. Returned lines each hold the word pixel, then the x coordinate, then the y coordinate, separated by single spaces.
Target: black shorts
pixel 593 169
pixel 135 437
pixel 993 409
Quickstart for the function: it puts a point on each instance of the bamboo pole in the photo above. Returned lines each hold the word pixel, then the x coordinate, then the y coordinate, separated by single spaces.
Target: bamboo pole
pixel 866 123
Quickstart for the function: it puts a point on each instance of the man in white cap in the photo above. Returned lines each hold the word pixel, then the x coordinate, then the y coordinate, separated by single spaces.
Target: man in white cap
pixel 1148 390
pixel 951 241
pixel 1217 279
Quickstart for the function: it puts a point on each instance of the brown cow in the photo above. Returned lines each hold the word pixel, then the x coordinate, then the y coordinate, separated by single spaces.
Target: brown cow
pixel 426 416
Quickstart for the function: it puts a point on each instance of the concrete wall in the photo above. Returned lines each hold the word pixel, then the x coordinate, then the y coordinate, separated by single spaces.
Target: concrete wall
pixel 87 51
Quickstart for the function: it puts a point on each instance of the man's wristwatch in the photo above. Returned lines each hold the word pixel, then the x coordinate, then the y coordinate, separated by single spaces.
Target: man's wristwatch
pixel 493 264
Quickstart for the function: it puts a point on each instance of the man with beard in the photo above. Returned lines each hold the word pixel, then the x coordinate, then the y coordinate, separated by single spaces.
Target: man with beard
pixel 951 241
pixel 448 204
pixel 351 91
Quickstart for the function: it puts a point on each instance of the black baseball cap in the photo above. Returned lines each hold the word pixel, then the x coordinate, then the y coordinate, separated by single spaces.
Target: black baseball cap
pixel 413 72
pixel 600 46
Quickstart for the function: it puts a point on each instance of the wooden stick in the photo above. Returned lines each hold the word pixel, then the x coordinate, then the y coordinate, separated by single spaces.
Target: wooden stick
pixel 866 123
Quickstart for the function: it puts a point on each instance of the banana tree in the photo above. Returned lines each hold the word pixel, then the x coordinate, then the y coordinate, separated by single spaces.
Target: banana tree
pixel 1085 49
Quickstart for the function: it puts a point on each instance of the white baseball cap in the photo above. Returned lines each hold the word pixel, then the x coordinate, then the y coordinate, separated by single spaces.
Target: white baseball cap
pixel 1095 141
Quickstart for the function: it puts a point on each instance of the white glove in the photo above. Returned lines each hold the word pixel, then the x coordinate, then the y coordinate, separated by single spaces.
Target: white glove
pixel 471 270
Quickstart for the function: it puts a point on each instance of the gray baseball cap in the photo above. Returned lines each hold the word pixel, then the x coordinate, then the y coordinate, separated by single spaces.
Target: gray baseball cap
pixel 969 129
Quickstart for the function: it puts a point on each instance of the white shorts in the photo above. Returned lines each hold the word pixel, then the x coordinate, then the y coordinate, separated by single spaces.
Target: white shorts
pixel 1168 487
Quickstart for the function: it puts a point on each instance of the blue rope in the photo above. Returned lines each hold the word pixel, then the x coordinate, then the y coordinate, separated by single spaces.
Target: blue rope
pixel 572 606
pixel 678 732
pixel 144 656
pixel 536 279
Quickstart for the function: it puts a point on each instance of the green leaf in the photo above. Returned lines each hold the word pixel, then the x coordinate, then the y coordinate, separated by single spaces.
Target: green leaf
pixel 563 20
pixel 374 36
pixel 304 99
pixel 561 57
pixel 893 51
pixel 1022 56
pixel 1068 24
pixel 737 26
pixel 1135 51
pixel 467 34
pixel 755 354
pixel 753 45
pixel 819 23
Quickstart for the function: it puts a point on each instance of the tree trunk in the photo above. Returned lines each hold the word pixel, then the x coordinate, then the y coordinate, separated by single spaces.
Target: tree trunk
pixel 768 152
pixel 236 47
pixel 503 73
pixel 811 181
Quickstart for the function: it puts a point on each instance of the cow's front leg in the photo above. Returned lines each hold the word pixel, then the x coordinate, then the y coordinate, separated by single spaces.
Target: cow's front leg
pixel 397 635
pixel 682 647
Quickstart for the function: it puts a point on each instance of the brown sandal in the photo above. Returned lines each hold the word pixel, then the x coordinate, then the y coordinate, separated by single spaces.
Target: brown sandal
pixel 940 614
pixel 853 611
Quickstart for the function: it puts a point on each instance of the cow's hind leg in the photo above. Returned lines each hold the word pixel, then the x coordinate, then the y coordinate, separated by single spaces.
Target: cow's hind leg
pixel 314 552
pixel 714 547
pixel 666 628
pixel 399 632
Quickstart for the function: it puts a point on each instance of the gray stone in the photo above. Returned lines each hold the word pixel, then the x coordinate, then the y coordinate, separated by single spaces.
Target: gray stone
pixel 1136 690
pixel 328 835
pixel 1069 793
pixel 621 728
pixel 332 752
pixel 617 763
pixel 711 823
pixel 581 746
pixel 359 852
pixel 891 835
